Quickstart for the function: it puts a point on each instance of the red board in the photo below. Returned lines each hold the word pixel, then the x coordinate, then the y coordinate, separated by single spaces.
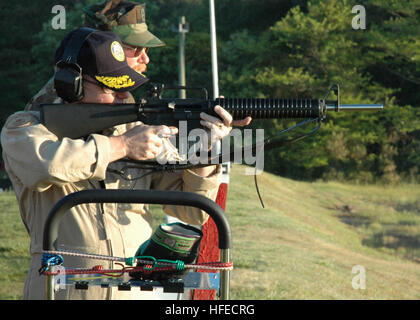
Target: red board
pixel 209 249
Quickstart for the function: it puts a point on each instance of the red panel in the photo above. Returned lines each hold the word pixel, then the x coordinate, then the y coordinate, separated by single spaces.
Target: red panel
pixel 209 249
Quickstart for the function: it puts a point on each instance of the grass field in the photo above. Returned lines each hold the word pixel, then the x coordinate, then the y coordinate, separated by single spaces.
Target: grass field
pixel 303 245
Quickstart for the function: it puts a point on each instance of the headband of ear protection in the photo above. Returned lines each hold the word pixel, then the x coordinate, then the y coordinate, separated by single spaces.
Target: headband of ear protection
pixel 68 77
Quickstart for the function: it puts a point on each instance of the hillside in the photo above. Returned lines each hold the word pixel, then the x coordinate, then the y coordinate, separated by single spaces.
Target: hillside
pixel 303 245
pixel 307 240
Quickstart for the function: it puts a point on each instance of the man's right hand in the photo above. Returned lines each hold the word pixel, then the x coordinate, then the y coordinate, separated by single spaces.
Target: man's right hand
pixel 139 143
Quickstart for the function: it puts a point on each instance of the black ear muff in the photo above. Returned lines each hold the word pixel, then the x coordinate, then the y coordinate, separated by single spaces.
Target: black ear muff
pixel 68 81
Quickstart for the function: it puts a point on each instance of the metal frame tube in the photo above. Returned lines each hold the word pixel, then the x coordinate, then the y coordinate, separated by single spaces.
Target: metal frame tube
pixel 224 275
pixel 49 288
pixel 139 196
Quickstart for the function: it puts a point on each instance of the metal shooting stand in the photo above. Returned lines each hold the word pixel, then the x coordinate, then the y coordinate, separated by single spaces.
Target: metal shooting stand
pixel 147 197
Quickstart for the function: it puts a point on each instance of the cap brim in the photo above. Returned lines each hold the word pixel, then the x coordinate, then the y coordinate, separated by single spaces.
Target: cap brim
pixel 122 80
pixel 137 35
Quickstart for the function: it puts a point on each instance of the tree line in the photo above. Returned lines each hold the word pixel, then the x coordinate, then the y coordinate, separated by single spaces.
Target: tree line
pixel 268 49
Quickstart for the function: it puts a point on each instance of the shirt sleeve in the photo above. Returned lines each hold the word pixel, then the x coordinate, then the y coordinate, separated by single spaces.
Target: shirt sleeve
pixel 39 159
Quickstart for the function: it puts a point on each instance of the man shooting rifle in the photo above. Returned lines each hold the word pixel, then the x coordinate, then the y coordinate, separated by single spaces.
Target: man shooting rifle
pixel 92 69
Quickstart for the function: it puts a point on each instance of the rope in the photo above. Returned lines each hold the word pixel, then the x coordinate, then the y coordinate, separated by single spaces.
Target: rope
pixel 145 269
pixel 151 265
pixel 85 255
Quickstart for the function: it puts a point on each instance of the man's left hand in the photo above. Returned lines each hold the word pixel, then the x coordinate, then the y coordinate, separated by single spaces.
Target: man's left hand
pixel 220 128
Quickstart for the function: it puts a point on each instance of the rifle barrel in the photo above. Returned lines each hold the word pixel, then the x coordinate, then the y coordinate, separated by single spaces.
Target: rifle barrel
pixel 356 107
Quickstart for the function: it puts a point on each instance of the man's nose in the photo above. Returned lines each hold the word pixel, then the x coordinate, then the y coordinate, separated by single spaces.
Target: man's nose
pixel 144 57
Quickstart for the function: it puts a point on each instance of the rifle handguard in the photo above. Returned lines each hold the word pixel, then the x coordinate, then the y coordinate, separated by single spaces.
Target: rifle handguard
pixel 240 108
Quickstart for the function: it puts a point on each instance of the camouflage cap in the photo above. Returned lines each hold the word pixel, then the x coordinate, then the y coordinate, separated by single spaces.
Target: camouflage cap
pixel 126 18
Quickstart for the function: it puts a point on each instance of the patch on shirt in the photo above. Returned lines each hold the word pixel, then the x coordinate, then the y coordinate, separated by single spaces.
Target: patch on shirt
pixel 21 121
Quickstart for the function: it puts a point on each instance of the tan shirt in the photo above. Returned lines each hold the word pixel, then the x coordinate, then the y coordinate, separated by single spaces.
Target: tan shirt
pixel 44 169
pixel 47 94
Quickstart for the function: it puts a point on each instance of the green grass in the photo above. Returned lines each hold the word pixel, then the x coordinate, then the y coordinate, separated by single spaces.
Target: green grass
pixel 14 248
pixel 303 245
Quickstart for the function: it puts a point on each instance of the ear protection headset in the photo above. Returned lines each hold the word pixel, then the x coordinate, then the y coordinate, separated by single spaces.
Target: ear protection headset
pixel 68 77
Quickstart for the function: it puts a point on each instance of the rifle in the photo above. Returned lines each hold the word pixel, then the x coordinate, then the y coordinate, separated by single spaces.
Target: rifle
pixel 79 120
pixel 60 119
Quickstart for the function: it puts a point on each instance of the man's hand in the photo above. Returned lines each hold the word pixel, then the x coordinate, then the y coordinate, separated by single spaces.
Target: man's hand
pixel 140 143
pixel 220 128
pixel 143 142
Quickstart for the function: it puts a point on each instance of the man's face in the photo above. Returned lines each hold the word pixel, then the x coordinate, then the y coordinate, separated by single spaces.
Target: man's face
pixel 137 57
pixel 94 93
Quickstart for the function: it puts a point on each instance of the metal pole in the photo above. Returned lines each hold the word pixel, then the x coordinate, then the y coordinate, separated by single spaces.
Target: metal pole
pixel 181 29
pixel 49 288
pixel 224 253
pixel 224 275
pixel 214 51
pixel 214 64
pixel 182 93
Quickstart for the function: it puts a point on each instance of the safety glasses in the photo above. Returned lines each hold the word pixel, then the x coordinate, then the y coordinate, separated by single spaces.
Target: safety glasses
pixel 133 52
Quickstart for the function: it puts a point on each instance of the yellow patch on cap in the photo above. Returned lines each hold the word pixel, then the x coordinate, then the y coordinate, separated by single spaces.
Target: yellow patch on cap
pixel 117 51
pixel 116 82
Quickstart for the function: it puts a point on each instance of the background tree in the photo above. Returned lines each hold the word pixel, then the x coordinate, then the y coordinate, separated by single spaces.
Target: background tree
pixel 268 49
